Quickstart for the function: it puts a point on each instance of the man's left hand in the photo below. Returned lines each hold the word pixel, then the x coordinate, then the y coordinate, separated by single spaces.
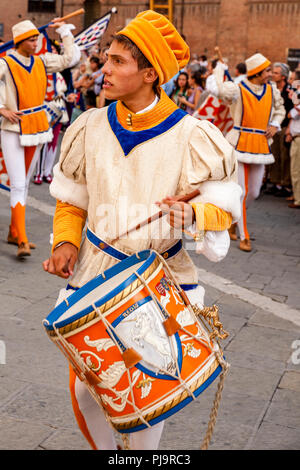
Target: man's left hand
pixel 271 131
pixel 180 214
pixel 56 23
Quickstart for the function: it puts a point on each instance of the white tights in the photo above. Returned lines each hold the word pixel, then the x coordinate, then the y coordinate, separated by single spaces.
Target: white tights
pixel 14 157
pixel 250 177
pixel 102 433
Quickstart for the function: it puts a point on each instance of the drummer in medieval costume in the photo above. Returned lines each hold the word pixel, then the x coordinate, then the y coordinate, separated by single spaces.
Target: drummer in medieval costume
pixel 25 126
pixel 257 110
pixel 121 163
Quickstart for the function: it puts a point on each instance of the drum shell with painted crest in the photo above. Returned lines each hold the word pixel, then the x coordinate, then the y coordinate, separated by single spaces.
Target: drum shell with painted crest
pixel 125 308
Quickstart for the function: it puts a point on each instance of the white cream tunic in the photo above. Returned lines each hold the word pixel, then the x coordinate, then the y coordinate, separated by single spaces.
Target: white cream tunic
pixel 118 175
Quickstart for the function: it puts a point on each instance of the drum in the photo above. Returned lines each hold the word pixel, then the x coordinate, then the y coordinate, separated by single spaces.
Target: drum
pixel 132 336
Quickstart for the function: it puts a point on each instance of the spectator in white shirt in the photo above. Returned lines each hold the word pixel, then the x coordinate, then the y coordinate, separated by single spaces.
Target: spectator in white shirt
pixel 293 136
pixel 240 72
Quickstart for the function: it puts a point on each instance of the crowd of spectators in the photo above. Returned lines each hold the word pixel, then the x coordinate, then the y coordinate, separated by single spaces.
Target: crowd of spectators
pixel 189 89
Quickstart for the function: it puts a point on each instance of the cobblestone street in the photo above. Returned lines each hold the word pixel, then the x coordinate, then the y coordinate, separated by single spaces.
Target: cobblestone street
pixel 258 296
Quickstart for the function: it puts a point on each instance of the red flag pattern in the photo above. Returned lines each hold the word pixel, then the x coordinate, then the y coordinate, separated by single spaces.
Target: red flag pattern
pixel 215 111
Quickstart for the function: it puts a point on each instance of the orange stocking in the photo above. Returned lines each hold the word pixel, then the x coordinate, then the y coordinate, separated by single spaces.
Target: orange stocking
pixel 29 154
pixel 18 222
pixel 13 230
pixel 17 225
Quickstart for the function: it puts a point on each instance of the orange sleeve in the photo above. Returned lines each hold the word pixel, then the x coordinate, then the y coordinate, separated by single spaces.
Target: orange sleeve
pixel 68 224
pixel 211 217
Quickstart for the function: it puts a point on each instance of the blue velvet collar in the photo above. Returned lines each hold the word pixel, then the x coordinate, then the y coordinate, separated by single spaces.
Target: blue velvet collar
pixel 130 139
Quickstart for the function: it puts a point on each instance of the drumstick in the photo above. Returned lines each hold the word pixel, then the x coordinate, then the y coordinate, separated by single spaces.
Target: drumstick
pixel 70 15
pixel 158 215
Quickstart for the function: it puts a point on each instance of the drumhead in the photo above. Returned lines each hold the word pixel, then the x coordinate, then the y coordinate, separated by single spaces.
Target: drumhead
pixel 99 290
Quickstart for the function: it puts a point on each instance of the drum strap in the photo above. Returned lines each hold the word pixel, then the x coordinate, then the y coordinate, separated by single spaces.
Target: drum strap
pixel 120 255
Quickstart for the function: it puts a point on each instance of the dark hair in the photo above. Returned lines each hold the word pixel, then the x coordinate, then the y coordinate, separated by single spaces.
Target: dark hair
pixel 90 98
pixel 136 53
pixel 176 86
pixel 241 67
pixel 198 77
pixel 56 45
pixel 20 42
pixel 142 61
pixel 214 63
pixel 96 60
pixel 203 57
pixel 258 74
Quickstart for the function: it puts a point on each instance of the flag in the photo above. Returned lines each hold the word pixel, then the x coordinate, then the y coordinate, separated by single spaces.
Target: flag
pixel 43 46
pixel 217 112
pixel 93 33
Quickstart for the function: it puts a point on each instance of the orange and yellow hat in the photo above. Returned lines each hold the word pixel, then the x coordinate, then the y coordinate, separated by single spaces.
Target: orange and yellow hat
pixel 160 42
pixel 24 30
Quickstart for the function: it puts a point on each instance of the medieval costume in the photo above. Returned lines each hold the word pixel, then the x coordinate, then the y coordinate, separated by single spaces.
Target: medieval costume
pixel 58 116
pixel 114 165
pixel 253 108
pixel 24 89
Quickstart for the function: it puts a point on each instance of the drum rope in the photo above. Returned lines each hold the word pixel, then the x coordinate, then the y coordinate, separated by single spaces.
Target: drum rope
pixel 125 439
pixel 216 403
pixel 181 292
pixel 158 304
pixel 109 326
pixel 205 342
pixel 216 326
pixel 80 367
pixel 75 359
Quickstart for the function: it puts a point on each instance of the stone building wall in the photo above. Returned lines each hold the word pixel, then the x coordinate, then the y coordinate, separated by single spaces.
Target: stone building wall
pixel 239 27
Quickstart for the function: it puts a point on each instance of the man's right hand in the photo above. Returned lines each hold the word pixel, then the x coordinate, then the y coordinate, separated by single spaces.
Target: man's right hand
pixel 12 116
pixel 62 261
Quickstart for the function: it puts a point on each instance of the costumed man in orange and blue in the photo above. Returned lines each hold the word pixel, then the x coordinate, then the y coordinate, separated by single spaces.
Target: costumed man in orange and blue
pixel 257 110
pixel 25 126
pixel 119 164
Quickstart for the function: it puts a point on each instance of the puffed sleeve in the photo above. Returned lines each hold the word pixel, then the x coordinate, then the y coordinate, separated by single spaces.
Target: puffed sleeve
pixel 228 91
pixel 3 68
pixel 211 167
pixel 208 156
pixel 278 109
pixel 69 179
pixel 71 53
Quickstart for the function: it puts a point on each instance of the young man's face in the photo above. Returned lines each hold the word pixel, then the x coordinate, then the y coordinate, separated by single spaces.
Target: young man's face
pixel 265 76
pixel 28 47
pixel 122 79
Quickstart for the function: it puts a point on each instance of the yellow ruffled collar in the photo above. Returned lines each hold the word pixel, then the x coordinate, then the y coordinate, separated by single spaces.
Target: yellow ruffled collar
pixel 138 122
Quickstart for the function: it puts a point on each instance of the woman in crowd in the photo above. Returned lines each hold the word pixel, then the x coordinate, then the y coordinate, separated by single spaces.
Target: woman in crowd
pixel 195 82
pixel 181 89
